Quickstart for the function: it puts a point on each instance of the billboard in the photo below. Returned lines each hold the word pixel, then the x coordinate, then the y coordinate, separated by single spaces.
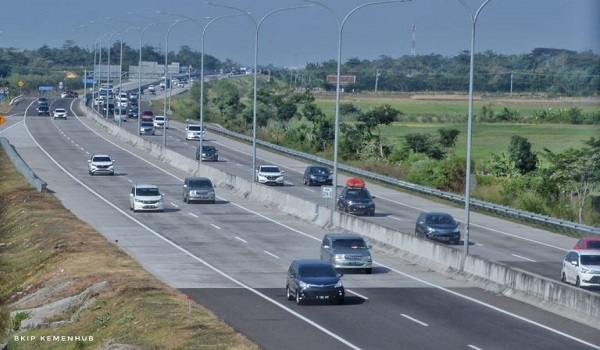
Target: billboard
pixel 344 79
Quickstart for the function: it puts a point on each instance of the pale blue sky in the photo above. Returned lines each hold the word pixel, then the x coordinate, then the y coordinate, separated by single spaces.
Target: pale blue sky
pixel 295 37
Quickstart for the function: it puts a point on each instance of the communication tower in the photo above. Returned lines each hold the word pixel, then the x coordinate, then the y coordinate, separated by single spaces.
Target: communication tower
pixel 413 50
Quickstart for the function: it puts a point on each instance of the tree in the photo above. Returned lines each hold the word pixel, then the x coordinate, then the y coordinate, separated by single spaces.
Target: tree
pixel 448 137
pixel 576 172
pixel 521 156
pixel 382 115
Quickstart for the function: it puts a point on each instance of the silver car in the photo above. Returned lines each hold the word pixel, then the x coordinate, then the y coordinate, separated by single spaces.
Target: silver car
pixel 347 251
pixel 147 128
pixel 198 189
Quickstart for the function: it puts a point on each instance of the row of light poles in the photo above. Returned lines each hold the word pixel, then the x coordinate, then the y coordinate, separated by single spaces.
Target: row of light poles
pixel 341 22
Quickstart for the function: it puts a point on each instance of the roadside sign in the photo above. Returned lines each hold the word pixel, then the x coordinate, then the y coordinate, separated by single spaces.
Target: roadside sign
pixel 2 96
pixel 327 191
pixel 2 119
pixel 89 81
pixel 46 88
pixel 21 83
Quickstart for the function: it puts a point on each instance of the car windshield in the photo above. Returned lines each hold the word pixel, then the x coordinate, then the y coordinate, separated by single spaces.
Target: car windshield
pixel 208 148
pixel 101 159
pixel 59 110
pixel 319 171
pixel 146 124
pixel 349 244
pixel 269 169
pixel 147 191
pixel 200 183
pixel 590 260
pixel 194 128
pixel 316 271
pixel 439 220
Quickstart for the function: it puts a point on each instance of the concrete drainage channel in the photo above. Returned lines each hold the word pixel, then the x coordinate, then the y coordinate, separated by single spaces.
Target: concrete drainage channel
pixel 550 295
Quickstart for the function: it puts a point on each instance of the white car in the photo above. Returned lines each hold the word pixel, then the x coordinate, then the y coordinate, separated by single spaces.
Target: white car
pixel 60 113
pixel 269 175
pixel 98 101
pixel 581 268
pixel 194 132
pixel 160 121
pixel 145 197
pixel 101 164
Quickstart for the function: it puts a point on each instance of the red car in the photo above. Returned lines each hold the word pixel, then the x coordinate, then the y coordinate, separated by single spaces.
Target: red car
pixel 588 243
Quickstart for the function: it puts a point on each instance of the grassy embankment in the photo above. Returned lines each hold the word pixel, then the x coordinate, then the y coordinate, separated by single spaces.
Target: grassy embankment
pixel 48 254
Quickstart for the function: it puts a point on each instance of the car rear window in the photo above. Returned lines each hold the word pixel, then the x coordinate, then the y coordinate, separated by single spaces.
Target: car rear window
pixel 316 271
pixel 594 244
pixel 101 159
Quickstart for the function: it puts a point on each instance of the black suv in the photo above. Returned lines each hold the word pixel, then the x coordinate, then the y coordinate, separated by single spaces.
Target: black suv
pixel 111 108
pixel 132 112
pixel 210 153
pixel 356 201
pixel 43 110
pixel 316 280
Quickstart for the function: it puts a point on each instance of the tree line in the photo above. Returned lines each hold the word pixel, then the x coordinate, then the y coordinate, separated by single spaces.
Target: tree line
pixel 553 72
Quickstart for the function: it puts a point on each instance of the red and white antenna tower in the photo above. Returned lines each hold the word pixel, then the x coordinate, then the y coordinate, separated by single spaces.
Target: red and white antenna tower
pixel 413 50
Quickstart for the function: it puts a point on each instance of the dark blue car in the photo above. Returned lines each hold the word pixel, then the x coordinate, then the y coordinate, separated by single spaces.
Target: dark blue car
pixel 439 227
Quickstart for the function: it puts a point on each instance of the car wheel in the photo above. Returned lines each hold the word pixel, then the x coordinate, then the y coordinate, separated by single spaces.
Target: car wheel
pixel 338 301
pixel 346 210
pixel 578 282
pixel 369 271
pixel 298 300
pixel 456 242
pixel 288 293
pixel 372 213
pixel 212 202
pixel 183 198
pixel 563 278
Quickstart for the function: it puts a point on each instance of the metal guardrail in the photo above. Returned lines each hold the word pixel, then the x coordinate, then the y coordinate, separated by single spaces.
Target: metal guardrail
pixel 515 214
pixel 16 100
pixel 21 166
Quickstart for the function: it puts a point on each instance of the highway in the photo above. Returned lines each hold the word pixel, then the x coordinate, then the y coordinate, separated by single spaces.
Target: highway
pixel 513 244
pixel 232 256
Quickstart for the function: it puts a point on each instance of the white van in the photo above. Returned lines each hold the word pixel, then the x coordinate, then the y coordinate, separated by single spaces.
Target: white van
pixel 120 114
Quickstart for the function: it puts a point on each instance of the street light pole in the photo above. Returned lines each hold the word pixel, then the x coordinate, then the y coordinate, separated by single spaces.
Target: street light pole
pixel 470 123
pixel 203 132
pixel 108 71
pixel 254 101
pixel 121 65
pixel 337 90
pixel 166 75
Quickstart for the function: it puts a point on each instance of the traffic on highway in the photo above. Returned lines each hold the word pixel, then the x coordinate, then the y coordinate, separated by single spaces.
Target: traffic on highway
pixel 236 256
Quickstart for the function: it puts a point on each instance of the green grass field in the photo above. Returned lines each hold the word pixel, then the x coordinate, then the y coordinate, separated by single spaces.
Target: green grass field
pixel 495 138
pixel 487 137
